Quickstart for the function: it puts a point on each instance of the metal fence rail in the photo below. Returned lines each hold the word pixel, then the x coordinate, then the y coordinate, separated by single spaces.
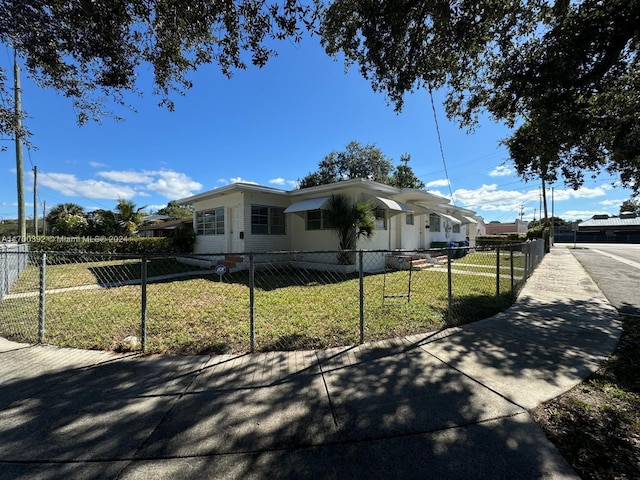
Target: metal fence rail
pixel 220 303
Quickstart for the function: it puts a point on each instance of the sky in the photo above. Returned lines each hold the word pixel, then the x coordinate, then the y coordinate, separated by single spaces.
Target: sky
pixel 269 126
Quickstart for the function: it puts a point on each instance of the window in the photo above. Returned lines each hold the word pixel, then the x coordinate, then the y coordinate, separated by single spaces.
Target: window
pixel 267 220
pixel 381 218
pixel 434 222
pixel 456 228
pixel 210 222
pixel 409 219
pixel 315 220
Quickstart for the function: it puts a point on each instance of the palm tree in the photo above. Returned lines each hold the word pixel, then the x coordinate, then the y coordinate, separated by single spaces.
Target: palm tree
pixel 129 217
pixel 350 221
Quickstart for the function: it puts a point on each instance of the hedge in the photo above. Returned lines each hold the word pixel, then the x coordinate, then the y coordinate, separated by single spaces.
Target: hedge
pixel 110 245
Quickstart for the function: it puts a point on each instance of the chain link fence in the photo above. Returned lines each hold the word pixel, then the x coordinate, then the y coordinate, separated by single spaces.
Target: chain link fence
pixel 221 303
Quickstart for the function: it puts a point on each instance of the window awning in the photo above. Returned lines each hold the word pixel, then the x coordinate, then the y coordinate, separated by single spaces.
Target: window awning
pixel 452 219
pixel 470 220
pixel 309 204
pixel 394 205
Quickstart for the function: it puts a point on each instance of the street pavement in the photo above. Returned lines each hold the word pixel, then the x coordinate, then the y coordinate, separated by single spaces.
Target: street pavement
pixel 445 405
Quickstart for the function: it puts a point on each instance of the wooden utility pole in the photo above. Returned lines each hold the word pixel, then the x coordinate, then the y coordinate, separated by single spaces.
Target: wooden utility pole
pixel 22 221
pixel 35 200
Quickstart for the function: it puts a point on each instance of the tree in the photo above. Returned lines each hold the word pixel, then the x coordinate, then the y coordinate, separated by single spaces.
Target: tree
pixel 175 211
pixel 350 221
pixel 58 224
pixel 631 205
pixel 403 176
pixel 356 161
pixel 103 223
pixel 91 50
pixel 129 217
pixel 563 75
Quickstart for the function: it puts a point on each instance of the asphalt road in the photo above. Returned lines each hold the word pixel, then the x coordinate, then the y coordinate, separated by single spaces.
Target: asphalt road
pixel 616 270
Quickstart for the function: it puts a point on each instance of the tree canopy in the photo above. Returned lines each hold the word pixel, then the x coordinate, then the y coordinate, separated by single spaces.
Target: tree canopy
pixel 358 161
pixel 89 50
pixel 564 75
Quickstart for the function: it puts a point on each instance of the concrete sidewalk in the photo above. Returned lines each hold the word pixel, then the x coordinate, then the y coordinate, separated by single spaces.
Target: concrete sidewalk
pixel 452 405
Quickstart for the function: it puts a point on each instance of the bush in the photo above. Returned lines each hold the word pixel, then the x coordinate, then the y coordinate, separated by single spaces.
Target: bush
pixel 111 245
pixel 500 240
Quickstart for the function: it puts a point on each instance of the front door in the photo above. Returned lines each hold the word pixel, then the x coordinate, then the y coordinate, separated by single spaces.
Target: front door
pixel 236 245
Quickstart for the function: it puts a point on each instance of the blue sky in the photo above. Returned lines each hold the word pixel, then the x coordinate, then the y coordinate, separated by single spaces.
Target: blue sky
pixel 270 126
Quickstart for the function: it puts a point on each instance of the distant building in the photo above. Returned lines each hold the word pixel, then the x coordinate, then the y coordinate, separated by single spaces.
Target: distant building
pixel 624 224
pixel 498 228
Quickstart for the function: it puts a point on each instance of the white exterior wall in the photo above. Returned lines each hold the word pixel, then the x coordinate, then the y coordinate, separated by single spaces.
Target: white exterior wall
pixel 217 243
pixel 265 243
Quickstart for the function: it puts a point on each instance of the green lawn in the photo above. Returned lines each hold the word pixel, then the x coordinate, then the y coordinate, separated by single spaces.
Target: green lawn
pixel 199 314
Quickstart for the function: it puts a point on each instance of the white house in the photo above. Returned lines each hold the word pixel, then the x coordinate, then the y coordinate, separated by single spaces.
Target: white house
pixel 242 218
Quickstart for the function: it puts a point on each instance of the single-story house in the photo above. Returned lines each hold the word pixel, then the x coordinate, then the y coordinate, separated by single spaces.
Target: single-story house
pixel 243 217
pixel 163 229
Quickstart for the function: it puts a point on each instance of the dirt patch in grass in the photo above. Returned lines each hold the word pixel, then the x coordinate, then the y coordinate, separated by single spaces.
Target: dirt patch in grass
pixel 596 425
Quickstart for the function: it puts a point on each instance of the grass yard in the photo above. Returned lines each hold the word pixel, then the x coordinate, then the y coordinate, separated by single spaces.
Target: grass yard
pixel 293 309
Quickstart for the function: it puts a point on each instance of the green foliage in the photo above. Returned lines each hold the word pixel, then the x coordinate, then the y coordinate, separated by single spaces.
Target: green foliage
pixel 129 217
pixel 57 223
pixel 91 50
pixel 500 240
pixel 175 211
pixel 564 77
pixel 356 161
pixel 631 205
pixel 403 176
pixel 183 240
pixel 119 245
pixel 350 221
pixel 367 162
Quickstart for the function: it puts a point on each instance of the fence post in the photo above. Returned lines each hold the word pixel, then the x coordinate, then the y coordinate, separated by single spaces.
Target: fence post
pixel 43 288
pixel 449 286
pixel 512 269
pixel 143 302
pixel 361 280
pixel 252 322
pixel 498 275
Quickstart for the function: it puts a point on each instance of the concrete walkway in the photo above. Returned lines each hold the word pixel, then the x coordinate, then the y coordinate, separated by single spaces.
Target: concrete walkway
pixel 450 405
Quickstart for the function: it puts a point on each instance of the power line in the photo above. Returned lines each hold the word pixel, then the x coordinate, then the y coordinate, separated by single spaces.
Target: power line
pixel 444 163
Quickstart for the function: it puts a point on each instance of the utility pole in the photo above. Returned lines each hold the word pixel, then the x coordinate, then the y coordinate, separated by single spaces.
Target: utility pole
pixel 22 224
pixel 35 200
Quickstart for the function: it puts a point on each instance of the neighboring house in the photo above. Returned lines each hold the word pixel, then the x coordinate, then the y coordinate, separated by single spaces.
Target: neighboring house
pixel 163 229
pixel 498 228
pixel 244 217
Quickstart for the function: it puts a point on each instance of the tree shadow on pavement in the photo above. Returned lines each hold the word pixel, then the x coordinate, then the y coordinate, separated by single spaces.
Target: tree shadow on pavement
pixel 427 406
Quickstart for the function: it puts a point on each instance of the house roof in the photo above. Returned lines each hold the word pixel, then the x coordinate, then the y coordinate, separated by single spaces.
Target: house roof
pixel 386 196
pixel 624 220
pixel 229 188
pixel 170 225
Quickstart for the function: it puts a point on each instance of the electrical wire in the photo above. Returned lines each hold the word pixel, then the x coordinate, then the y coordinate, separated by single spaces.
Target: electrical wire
pixel 444 163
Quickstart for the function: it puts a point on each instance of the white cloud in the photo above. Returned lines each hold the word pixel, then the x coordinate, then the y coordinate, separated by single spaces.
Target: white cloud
pixel 68 184
pixel 97 165
pixel 490 198
pixel 293 184
pixel 241 180
pixel 501 171
pixel 173 185
pixel 438 183
pixel 127 176
pixel 580 214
